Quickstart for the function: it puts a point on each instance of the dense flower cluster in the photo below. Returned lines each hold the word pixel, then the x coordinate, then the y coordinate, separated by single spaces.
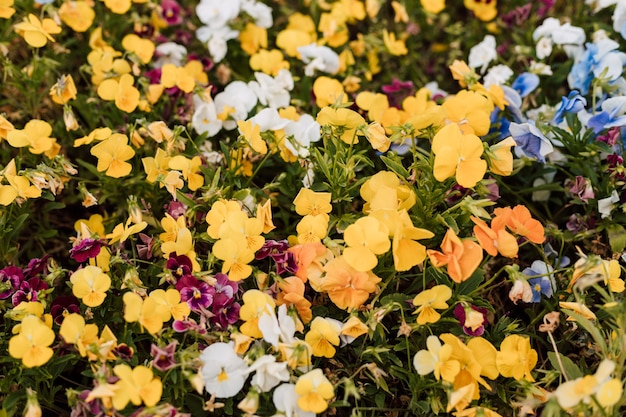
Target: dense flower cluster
pixel 342 207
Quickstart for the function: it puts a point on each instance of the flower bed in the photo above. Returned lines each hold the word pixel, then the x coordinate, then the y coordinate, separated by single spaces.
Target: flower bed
pixel 344 207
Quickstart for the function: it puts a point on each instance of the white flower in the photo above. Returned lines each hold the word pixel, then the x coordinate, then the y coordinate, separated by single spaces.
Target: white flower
pixel 543 49
pixel 234 103
pixel 273 92
pixel 261 13
pixel 216 13
pixel 268 373
pixel 540 68
pixel 600 4
pixel 277 329
pixel 300 135
pixel 170 53
pixel 619 18
pixel 320 58
pixel 497 75
pixel 521 290
pixel 269 119
pixel 223 371
pixel 204 119
pixel 216 38
pixel 483 53
pixel 286 401
pixel 606 205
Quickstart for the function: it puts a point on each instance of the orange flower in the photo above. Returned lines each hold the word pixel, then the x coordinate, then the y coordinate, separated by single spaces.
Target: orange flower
pixel 461 256
pixel 311 258
pixel 520 222
pixel 347 287
pixel 495 239
pixel 292 293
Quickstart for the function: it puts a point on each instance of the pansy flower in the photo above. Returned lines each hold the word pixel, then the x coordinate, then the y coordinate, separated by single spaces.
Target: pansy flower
pixel 31 344
pixel 223 372
pixel 461 256
pixel 471 318
pixel 10 279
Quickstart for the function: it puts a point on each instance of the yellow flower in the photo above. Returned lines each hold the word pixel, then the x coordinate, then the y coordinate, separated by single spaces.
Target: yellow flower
pixel 485 10
pixel 438 359
pixel 37 32
pixel 312 229
pixel 112 154
pixel 470 110
pixel 607 390
pixel 143 48
pixel 309 202
pixel 6 9
pixel 218 214
pixel 314 390
pixel 98 134
pixel 78 15
pixel 118 6
pixel 429 300
pixel 75 331
pixel 145 312
pixel 406 251
pixel 328 91
pixel 137 385
pixel 501 158
pixel 123 92
pixel 173 76
pixel 394 46
pixel 365 238
pixel 90 284
pixel 18 187
pixel 264 215
pixel 190 169
pixel 377 137
pixel 255 303
pixel 354 328
pixel 35 135
pixel 433 6
pixel 270 62
pixel 5 127
pixel 516 358
pixel 251 132
pixel 347 287
pixel 236 256
pixel 323 336
pixel 156 166
pixel 252 38
pixel 577 308
pixel 458 154
pixel 343 121
pixel 170 303
pixel 384 190
pixel 122 231
pixel 31 344
pixel 64 90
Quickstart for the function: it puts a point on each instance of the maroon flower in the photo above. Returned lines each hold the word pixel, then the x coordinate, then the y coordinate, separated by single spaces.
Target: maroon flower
pixel 180 265
pixel 62 306
pixel 471 318
pixel 29 291
pixel 145 250
pixel 277 250
pixel 171 12
pixel 197 294
pixel 10 279
pixel 163 357
pixel 36 266
pixel 397 91
pixel 86 249
pixel 612 136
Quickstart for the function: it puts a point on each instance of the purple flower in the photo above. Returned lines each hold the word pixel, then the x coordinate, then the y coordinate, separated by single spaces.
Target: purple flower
pixel 36 266
pixel 471 318
pixel 182 326
pixel 163 357
pixel 223 285
pixel 171 12
pixel 198 294
pixel 10 279
pixel 271 247
pixel 29 291
pixel 277 250
pixel 397 91
pixel 62 306
pixel 176 209
pixel 580 187
pixel 612 136
pixel 530 141
pixel 224 312
pixel 145 250
pixel 86 249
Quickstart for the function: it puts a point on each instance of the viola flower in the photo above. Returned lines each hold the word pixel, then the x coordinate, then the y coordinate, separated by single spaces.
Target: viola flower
pixel 606 390
pixel 292 294
pixel 163 357
pixel 314 391
pixel 62 306
pixel 197 294
pixel 136 385
pixel 78 15
pixel 37 32
pixel 531 142
pixel 462 257
pixel 429 300
pixel 90 284
pixel 122 91
pixel 516 358
pixel 519 220
pixel 268 373
pixel 255 303
pixel 85 249
pixel 63 90
pixel 347 287
pixel 343 121
pixel 323 336
pixel 495 239
pixel 223 371
pixel 145 312
pixel 541 280
pixel 6 9
pixel 113 154
pixel 471 318
pixel 580 187
pixel 10 279
pixel 285 400
pixel 75 331
pixel 31 344
pixel 29 290
pixel 459 155
pixel 35 135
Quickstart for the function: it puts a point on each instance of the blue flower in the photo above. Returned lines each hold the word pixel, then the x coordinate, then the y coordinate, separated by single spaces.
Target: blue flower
pixel 525 83
pixel 543 281
pixel 573 103
pixel 530 141
pixel 611 115
pixel 599 60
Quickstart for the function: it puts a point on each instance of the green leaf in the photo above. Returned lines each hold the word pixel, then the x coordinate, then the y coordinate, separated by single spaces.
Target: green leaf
pixel 572 371
pixel 617 237
pixel 395 166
